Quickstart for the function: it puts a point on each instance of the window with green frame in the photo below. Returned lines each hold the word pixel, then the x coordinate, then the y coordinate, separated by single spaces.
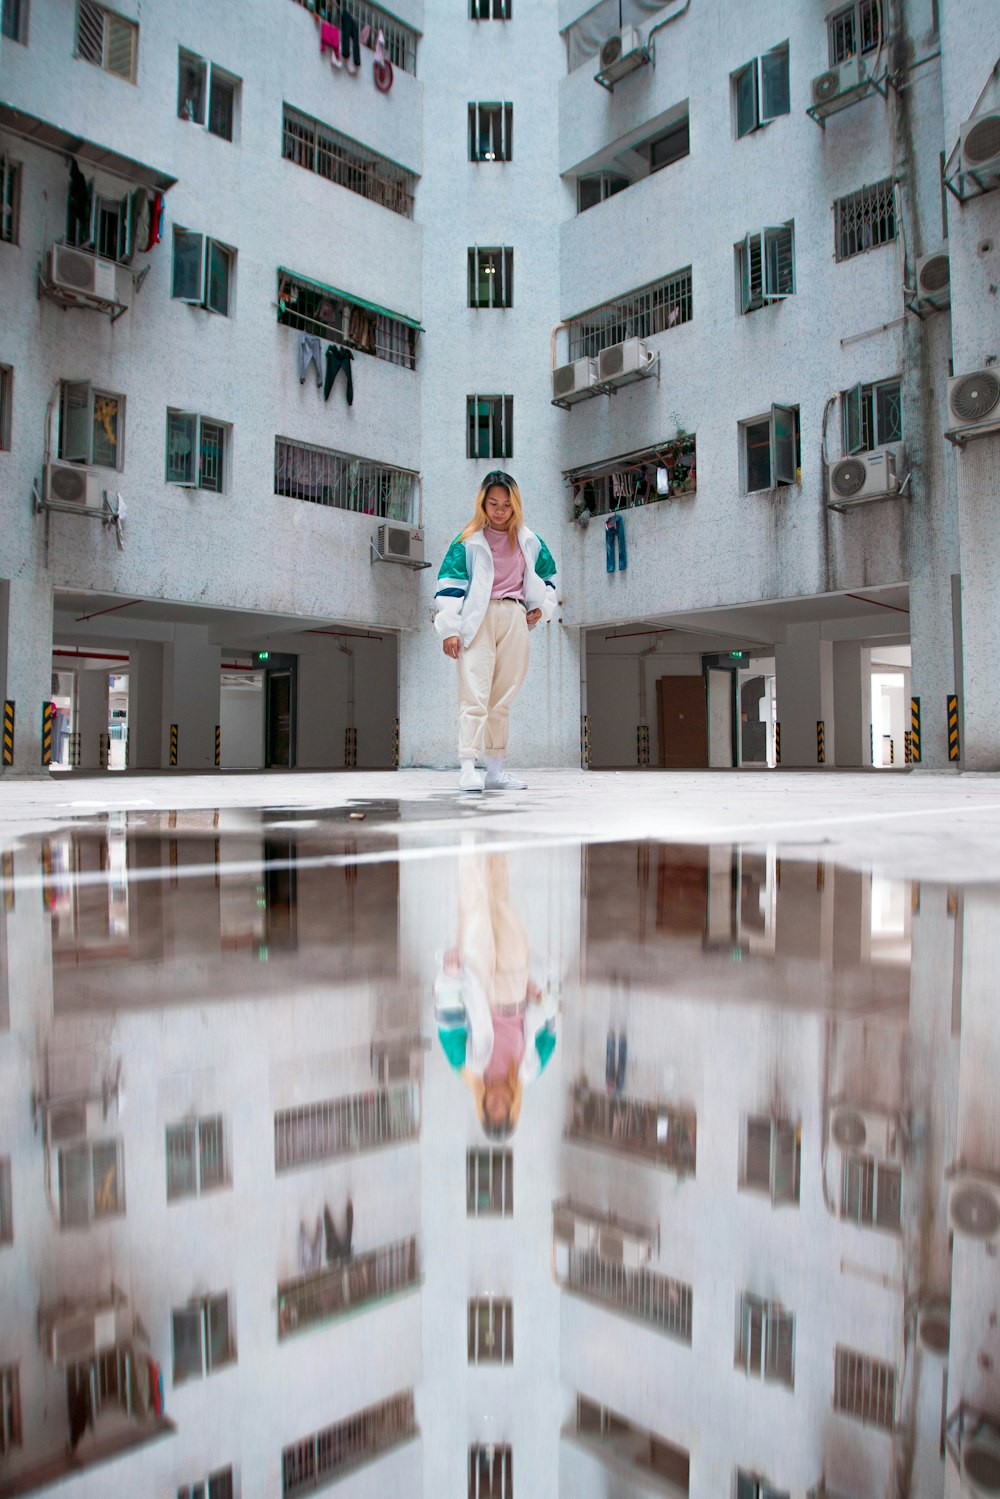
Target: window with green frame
pixel 489 426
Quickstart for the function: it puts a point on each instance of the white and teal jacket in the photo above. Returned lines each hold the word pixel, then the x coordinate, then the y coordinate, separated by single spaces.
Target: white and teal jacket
pixel 465 1026
pixel 465 583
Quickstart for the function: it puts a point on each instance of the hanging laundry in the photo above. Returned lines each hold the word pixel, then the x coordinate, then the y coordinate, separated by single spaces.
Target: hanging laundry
pixel 78 217
pixel 155 223
pixel 361 330
pixel 662 481
pixel 349 39
pixel 329 36
pixel 614 533
pixel 338 358
pixel 310 351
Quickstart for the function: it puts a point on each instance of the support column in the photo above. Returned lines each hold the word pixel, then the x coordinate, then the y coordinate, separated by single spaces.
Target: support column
pixel 145 705
pixel 978 467
pixel 804 681
pixel 852 702
pixel 92 713
pixel 191 696
pixel 26 665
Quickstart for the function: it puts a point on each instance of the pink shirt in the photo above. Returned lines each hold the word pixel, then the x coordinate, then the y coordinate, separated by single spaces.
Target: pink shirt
pixel 508 1046
pixel 508 565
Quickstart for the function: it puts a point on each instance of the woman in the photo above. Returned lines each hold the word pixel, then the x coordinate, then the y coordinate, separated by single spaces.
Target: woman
pixel 496 582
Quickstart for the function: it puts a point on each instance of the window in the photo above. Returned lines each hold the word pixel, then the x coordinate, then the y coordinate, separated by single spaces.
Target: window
pixel 489 10
pixel 491 1331
pixel 491 128
pixel 873 416
pixel 594 189
pixel 852 28
pixel 400 40
pixel 771 449
pixel 196 1156
pixel 14 20
pixel 196 458
pixel 761 91
pixel 91 1183
pixel 338 158
pixel 864 1388
pixel 490 426
pixel 491 1472
pixel 644 478
pixel 10 1408
pixel 203 271
pixel 326 477
pixel 6 1205
pixel 216 1486
pixel 107 39
pixel 91 425
pixel 765 264
pixel 766 1340
pixel 6 405
pixel 319 1459
pixel 206 95
pixel 491 277
pixel 871 1192
pixel 638 314
pixel 772 1159
pixel 751 1486
pixel 864 220
pixel 202 1338
pixel 10 200
pixel 489 1184
pixel 313 308
pixel 669 146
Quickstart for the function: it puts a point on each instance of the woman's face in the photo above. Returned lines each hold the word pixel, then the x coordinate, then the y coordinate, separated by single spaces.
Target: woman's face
pixel 498 507
pixel 497 1100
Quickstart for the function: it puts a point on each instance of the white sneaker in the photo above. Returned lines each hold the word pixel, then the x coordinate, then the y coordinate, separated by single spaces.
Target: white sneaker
pixel 470 778
pixel 504 781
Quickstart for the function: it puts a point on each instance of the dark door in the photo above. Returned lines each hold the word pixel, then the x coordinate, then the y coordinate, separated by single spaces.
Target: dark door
pixel 682 714
pixel 753 729
pixel 279 719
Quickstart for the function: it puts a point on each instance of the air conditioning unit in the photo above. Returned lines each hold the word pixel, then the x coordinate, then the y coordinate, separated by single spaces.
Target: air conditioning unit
pixel 979 139
pixel 71 484
pixel 622 359
pixel 81 272
pixel 981 1462
pixel 402 1063
pixel 572 379
pixel 618 1247
pixel 863 477
pixel 974 401
pixel 974 1206
pixel 65 1123
pixel 934 1327
pixel 934 278
pixel 396 543
pixel 621 54
pixel 868 1132
pixel 79 1336
pixel 838 87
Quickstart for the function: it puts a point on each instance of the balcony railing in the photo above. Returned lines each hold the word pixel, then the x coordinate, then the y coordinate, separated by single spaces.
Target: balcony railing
pixel 400 40
pixel 639 1293
pixel 345 1126
pixel 325 477
pixel 368 1278
pixel 323 1457
pixel 653 1132
pixel 638 314
pixel 320 149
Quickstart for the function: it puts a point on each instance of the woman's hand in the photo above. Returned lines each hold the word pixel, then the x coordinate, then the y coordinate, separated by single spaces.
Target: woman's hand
pixel 452 646
pixel 533 616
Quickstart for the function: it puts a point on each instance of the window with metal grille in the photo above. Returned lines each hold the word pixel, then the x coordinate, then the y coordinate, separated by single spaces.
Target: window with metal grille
pixel 489 10
pixel 107 39
pixel 873 415
pixel 311 144
pixel 14 20
pixel 202 1337
pixel 491 276
pixel 400 40
pixel 765 267
pixel 196 451
pixel 313 308
pixel 852 29
pixel 864 1388
pixel 10 200
pixel 594 188
pixel 650 309
pixel 207 95
pixel 196 1157
pixel 761 90
pixel 91 425
pixel 771 450
pixel 771 1164
pixel 6 1203
pixel 344 1126
pixel 752 1486
pixel 865 219
pixel 6 405
pixel 489 423
pixel 326 477
pixel 217 1485
pixel 91 1183
pixel 765 1344
pixel 644 478
pixel 10 1408
pixel 203 272
pixel 871 1192
pixel 319 1459
pixel 491 1331
pixel 491 1472
pixel 489 1184
pixel 491 132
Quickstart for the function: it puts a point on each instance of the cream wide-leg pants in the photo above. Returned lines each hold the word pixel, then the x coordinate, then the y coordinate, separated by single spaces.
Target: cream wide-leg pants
pixel 491 672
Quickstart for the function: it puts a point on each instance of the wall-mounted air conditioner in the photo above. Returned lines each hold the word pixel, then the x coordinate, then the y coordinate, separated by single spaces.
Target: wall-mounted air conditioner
pixel 81 272
pixel 863 477
pixel 934 278
pixel 573 379
pixel 979 140
pixel 70 484
pixel 618 1247
pixel 68 1122
pixel 399 1062
pixel 839 86
pixel 974 403
pixel 870 1132
pixel 621 54
pixel 974 1206
pixel 981 1461
pixel 622 359
pixel 79 1336
pixel 398 543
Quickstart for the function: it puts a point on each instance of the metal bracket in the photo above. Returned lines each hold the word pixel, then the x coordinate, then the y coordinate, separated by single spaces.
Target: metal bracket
pixel 959 436
pixel 878 84
pixel 374 555
pixel 608 83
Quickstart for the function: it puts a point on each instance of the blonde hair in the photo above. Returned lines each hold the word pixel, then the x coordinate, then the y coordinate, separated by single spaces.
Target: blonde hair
pixel 478 1086
pixel 479 517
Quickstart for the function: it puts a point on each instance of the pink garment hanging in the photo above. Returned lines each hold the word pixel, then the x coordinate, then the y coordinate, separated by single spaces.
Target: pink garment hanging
pixel 329 36
pixel 380 50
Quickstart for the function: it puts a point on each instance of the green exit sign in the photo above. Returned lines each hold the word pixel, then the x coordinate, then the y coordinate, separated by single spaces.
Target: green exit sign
pixel 263 655
pixel 737 655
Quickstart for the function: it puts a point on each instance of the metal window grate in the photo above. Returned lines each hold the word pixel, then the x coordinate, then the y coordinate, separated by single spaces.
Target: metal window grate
pixel 491 132
pixel 640 1293
pixel 862 20
pixel 491 1472
pixel 90 33
pixel 8 201
pixel 865 219
pixel 871 1192
pixel 489 10
pixel 344 1126
pixel 491 1331
pixel 310 144
pixel 489 422
pixel 400 40
pixel 10 1408
pixel 14 20
pixel 325 477
pixel 489 1184
pixel 864 1388
pixel 6 1203
pixel 491 276
pixel 766 1347
pixel 311 1299
pixel 317 1460
pixel 312 310
pixel 639 314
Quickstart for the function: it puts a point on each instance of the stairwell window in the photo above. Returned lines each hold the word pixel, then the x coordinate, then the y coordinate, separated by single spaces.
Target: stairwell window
pixel 6 405
pixel 873 415
pixel 91 1183
pixel 771 453
pixel 10 200
pixel 10 1408
pixel 491 1331
pixel 765 1345
pixel 491 277
pixel 491 1472
pixel 107 39
pixel 489 10
pixel 871 1192
pixel 489 1184
pixel 196 1157
pixel 668 146
pixel 489 426
pixel 852 29
pixel 765 267
pixel 864 1388
pixel 594 188
pixel 216 1486
pixel 14 21
pixel 203 272
pixel 91 425
pixel 207 95
pixel 491 132
pixel 202 1338
pixel 761 90
pixel 6 1204
pixel 865 219
pixel 772 1159
pixel 752 1486
pixel 196 452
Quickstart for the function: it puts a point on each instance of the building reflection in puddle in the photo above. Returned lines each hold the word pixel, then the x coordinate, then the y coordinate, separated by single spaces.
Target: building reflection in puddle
pixel 256 1240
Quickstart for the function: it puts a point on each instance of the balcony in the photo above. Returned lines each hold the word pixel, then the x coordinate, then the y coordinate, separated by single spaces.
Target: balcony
pixel 640 1294
pixel 630 1450
pixel 310 1300
pixel 346 1126
pixel 325 1456
pixel 658 1134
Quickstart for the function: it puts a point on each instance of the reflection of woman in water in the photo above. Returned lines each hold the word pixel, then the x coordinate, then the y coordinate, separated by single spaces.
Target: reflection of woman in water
pixel 496 1028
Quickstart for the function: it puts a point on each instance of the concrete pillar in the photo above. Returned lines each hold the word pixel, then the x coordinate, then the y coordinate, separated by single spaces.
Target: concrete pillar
pixel 26 665
pixel 851 702
pixel 191 696
pixel 804 682
pixel 979 517
pixel 92 713
pixel 145 705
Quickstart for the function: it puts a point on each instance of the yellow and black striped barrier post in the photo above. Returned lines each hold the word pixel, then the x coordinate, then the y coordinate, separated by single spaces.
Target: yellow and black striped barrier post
pixel 173 744
pixel 915 730
pixel 953 748
pixel 218 745
pixel 777 744
pixel 48 893
pixel 642 744
pixel 102 751
pixel 820 742
pixel 74 747
pixel 47 716
pixel 8 731
pixel 892 751
pixel 395 744
pixel 126 749
pixel 907 747
pixel 8 879
pixel 584 741
pixel 350 748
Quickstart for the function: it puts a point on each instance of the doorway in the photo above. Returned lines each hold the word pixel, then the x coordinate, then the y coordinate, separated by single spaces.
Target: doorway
pixel 682 715
pixel 279 737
